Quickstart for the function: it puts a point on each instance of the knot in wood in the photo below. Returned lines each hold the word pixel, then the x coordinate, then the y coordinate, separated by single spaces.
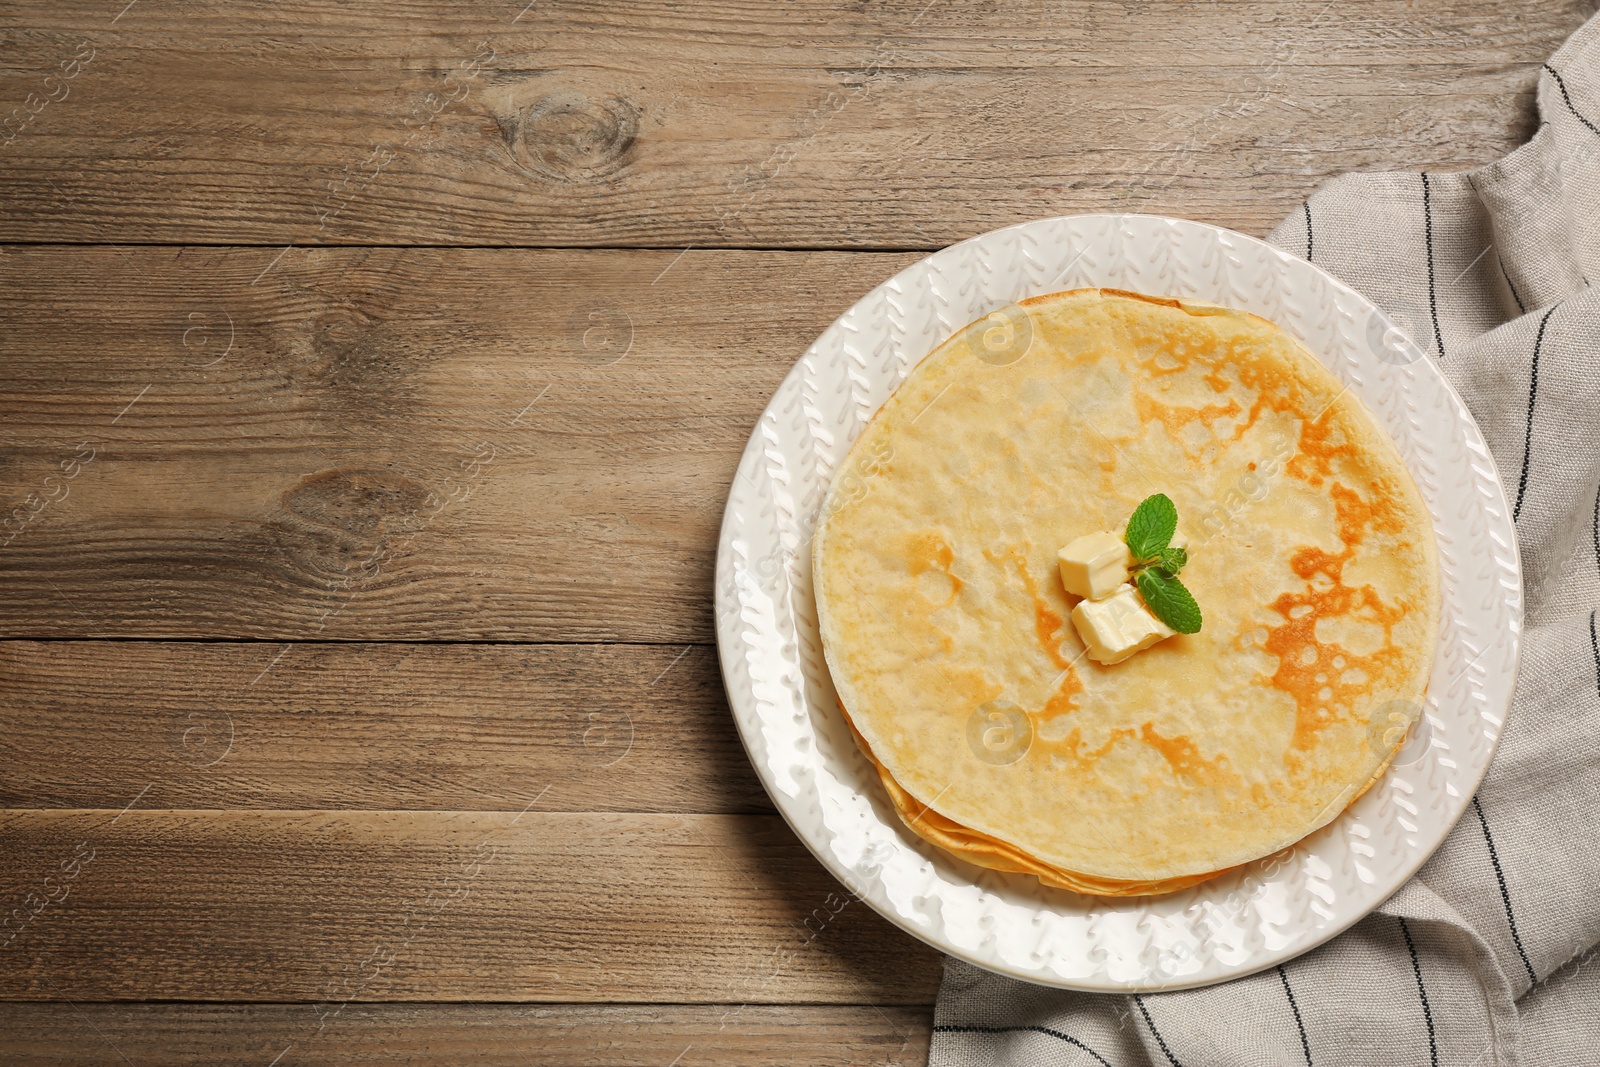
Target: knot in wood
pixel 570 137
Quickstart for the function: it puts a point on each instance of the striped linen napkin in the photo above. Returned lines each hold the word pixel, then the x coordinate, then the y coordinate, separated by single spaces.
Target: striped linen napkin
pixel 1487 955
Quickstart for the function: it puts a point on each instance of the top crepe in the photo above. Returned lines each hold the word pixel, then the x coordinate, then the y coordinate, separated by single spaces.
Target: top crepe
pixel 944 622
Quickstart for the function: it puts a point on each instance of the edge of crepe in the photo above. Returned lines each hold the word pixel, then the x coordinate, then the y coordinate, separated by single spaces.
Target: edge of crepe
pixel 984 850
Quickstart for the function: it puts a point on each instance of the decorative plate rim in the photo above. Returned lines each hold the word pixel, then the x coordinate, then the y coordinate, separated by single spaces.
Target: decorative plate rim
pixel 999 921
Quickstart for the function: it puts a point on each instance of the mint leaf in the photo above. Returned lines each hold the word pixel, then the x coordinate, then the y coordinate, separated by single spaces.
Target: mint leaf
pixel 1172 560
pixel 1169 601
pixel 1151 526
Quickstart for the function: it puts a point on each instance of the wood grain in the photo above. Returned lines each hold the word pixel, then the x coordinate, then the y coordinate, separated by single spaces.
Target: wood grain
pixel 337 907
pixel 642 728
pixel 396 444
pixel 748 123
pixel 293 447
pixel 446 1035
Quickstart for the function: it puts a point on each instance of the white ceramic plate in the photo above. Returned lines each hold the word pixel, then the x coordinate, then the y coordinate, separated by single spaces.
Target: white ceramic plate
pixel 1240 922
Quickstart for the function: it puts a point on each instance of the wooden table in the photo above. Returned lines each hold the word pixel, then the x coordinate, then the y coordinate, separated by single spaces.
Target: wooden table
pixel 372 380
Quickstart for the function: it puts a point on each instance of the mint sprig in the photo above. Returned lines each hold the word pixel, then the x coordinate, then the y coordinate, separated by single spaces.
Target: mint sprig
pixel 1156 563
pixel 1168 598
pixel 1151 526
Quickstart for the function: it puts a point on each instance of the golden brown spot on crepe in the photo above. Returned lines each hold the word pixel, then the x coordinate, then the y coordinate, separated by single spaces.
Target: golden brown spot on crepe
pixel 1186 759
pixel 1321 441
pixel 1070 748
pixel 1173 417
pixel 1322 436
pixel 1176 418
pixel 1280 392
pixel 930 551
pixel 1060 702
pixel 1302 659
pixel 974 686
pixel 1048 623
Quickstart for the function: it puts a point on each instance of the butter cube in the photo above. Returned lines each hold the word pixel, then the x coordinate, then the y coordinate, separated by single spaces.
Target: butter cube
pixel 1118 626
pixel 1094 565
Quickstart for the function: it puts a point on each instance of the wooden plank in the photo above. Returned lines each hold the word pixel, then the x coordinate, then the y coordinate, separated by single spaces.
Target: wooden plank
pixel 457 906
pixel 446 1035
pixel 641 728
pixel 396 444
pixel 750 123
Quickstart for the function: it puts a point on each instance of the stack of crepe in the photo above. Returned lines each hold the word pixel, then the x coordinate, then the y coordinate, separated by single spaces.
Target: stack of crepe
pixel 945 624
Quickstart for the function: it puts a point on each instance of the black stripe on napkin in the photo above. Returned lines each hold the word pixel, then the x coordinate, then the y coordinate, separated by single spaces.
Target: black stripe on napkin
pixel 1565 96
pixel 1533 396
pixel 1057 1034
pixel 1505 895
pixel 1514 295
pixel 1595 528
pixel 1422 994
pixel 1299 1023
pixel 1594 646
pixel 1309 244
pixel 1151 1023
pixel 1433 299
